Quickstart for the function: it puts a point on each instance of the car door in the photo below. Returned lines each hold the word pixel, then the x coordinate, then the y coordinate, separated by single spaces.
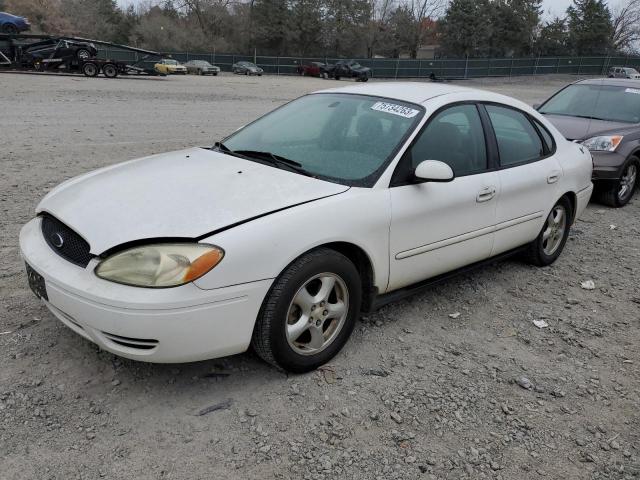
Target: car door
pixel 529 174
pixel 438 227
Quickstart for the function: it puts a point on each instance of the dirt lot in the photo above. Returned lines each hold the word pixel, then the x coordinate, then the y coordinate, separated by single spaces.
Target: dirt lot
pixel 415 394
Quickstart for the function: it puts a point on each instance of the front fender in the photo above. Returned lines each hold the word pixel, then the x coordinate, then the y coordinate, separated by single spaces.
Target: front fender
pixel 261 249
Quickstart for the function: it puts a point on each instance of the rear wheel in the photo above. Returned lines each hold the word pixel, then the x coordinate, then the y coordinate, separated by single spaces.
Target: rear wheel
pixel 83 54
pixel 310 312
pixel 548 246
pixel 617 194
pixel 9 28
pixel 110 70
pixel 90 69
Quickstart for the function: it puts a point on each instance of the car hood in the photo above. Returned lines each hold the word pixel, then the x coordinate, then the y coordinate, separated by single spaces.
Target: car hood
pixel 184 194
pixel 576 128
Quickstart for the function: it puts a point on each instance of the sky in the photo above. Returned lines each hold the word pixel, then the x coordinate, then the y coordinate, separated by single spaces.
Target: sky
pixel 553 8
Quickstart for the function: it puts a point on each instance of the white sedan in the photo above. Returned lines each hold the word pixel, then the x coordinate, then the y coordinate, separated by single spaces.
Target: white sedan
pixel 282 234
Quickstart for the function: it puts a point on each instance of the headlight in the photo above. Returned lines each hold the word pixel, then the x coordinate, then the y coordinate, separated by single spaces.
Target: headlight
pixel 161 265
pixel 607 143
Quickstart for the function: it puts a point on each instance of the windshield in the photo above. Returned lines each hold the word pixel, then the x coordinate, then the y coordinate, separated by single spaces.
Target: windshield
pixel 170 62
pixel 601 102
pixel 632 71
pixel 344 138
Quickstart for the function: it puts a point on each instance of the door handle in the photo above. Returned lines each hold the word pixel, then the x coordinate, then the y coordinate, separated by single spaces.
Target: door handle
pixel 486 194
pixel 553 177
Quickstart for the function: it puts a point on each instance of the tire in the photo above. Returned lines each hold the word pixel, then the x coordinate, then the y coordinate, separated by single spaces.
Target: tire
pixel 617 194
pixel 90 69
pixel 336 77
pixel 304 278
pixel 215 74
pixel 83 54
pixel 109 70
pixel 548 246
pixel 365 79
pixel 9 28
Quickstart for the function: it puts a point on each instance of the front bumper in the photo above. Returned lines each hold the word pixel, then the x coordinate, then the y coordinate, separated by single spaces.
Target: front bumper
pixel 170 325
pixel 607 165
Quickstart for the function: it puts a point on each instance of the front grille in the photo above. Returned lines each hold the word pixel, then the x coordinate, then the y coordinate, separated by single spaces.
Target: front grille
pixel 136 343
pixel 65 242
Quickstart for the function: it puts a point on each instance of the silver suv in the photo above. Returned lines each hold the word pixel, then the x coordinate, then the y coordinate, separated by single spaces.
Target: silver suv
pixel 624 72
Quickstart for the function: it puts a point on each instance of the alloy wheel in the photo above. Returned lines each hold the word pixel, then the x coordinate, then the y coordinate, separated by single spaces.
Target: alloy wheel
pixel 317 313
pixel 628 181
pixel 554 230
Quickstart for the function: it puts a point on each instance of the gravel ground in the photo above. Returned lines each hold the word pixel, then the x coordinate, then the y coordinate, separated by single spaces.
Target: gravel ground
pixel 456 382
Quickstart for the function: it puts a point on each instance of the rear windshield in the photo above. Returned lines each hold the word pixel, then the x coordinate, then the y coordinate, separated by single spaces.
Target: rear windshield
pixel 599 102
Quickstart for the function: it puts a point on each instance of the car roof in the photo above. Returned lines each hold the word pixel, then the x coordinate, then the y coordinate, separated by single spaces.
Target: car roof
pixel 414 92
pixel 613 82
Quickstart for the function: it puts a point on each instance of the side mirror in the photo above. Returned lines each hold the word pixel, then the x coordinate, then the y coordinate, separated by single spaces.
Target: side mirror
pixel 536 106
pixel 434 171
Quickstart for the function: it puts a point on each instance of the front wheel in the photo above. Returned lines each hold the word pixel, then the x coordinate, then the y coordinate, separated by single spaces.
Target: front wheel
pixel 618 194
pixel 548 246
pixel 310 312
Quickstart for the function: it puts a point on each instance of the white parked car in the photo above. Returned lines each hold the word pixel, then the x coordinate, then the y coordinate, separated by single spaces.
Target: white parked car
pixel 280 236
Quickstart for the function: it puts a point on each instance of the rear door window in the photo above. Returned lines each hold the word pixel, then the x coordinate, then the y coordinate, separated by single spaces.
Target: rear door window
pixel 518 140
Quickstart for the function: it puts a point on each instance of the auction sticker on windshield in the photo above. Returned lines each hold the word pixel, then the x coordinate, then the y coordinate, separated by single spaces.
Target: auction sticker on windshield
pixel 395 109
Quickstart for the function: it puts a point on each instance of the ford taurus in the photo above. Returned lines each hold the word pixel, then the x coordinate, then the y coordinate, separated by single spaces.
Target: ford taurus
pixel 280 235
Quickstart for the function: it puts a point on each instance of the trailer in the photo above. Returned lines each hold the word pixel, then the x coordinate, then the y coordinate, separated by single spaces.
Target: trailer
pixel 54 53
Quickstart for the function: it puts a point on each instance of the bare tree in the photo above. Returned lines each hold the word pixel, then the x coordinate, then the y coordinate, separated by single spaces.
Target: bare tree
pixel 423 11
pixel 209 13
pixel 378 23
pixel 626 24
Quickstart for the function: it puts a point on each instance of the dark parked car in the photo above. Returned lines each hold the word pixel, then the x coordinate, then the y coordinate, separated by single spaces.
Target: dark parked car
pixel 314 69
pixel 350 69
pixel 246 68
pixel 604 116
pixel 13 23
pixel 624 72
pixel 201 67
pixel 52 53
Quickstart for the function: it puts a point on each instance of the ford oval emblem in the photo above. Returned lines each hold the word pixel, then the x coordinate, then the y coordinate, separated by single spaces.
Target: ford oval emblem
pixel 57 240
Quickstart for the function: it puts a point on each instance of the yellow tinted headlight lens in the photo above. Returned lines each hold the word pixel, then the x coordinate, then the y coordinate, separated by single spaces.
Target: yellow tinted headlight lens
pixel 161 265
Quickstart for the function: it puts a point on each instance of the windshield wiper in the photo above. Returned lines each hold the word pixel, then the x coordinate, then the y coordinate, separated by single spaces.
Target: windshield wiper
pixel 222 147
pixel 275 160
pixel 269 157
pixel 588 117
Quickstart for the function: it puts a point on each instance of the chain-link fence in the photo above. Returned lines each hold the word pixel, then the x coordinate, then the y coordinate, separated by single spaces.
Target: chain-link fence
pixel 408 68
